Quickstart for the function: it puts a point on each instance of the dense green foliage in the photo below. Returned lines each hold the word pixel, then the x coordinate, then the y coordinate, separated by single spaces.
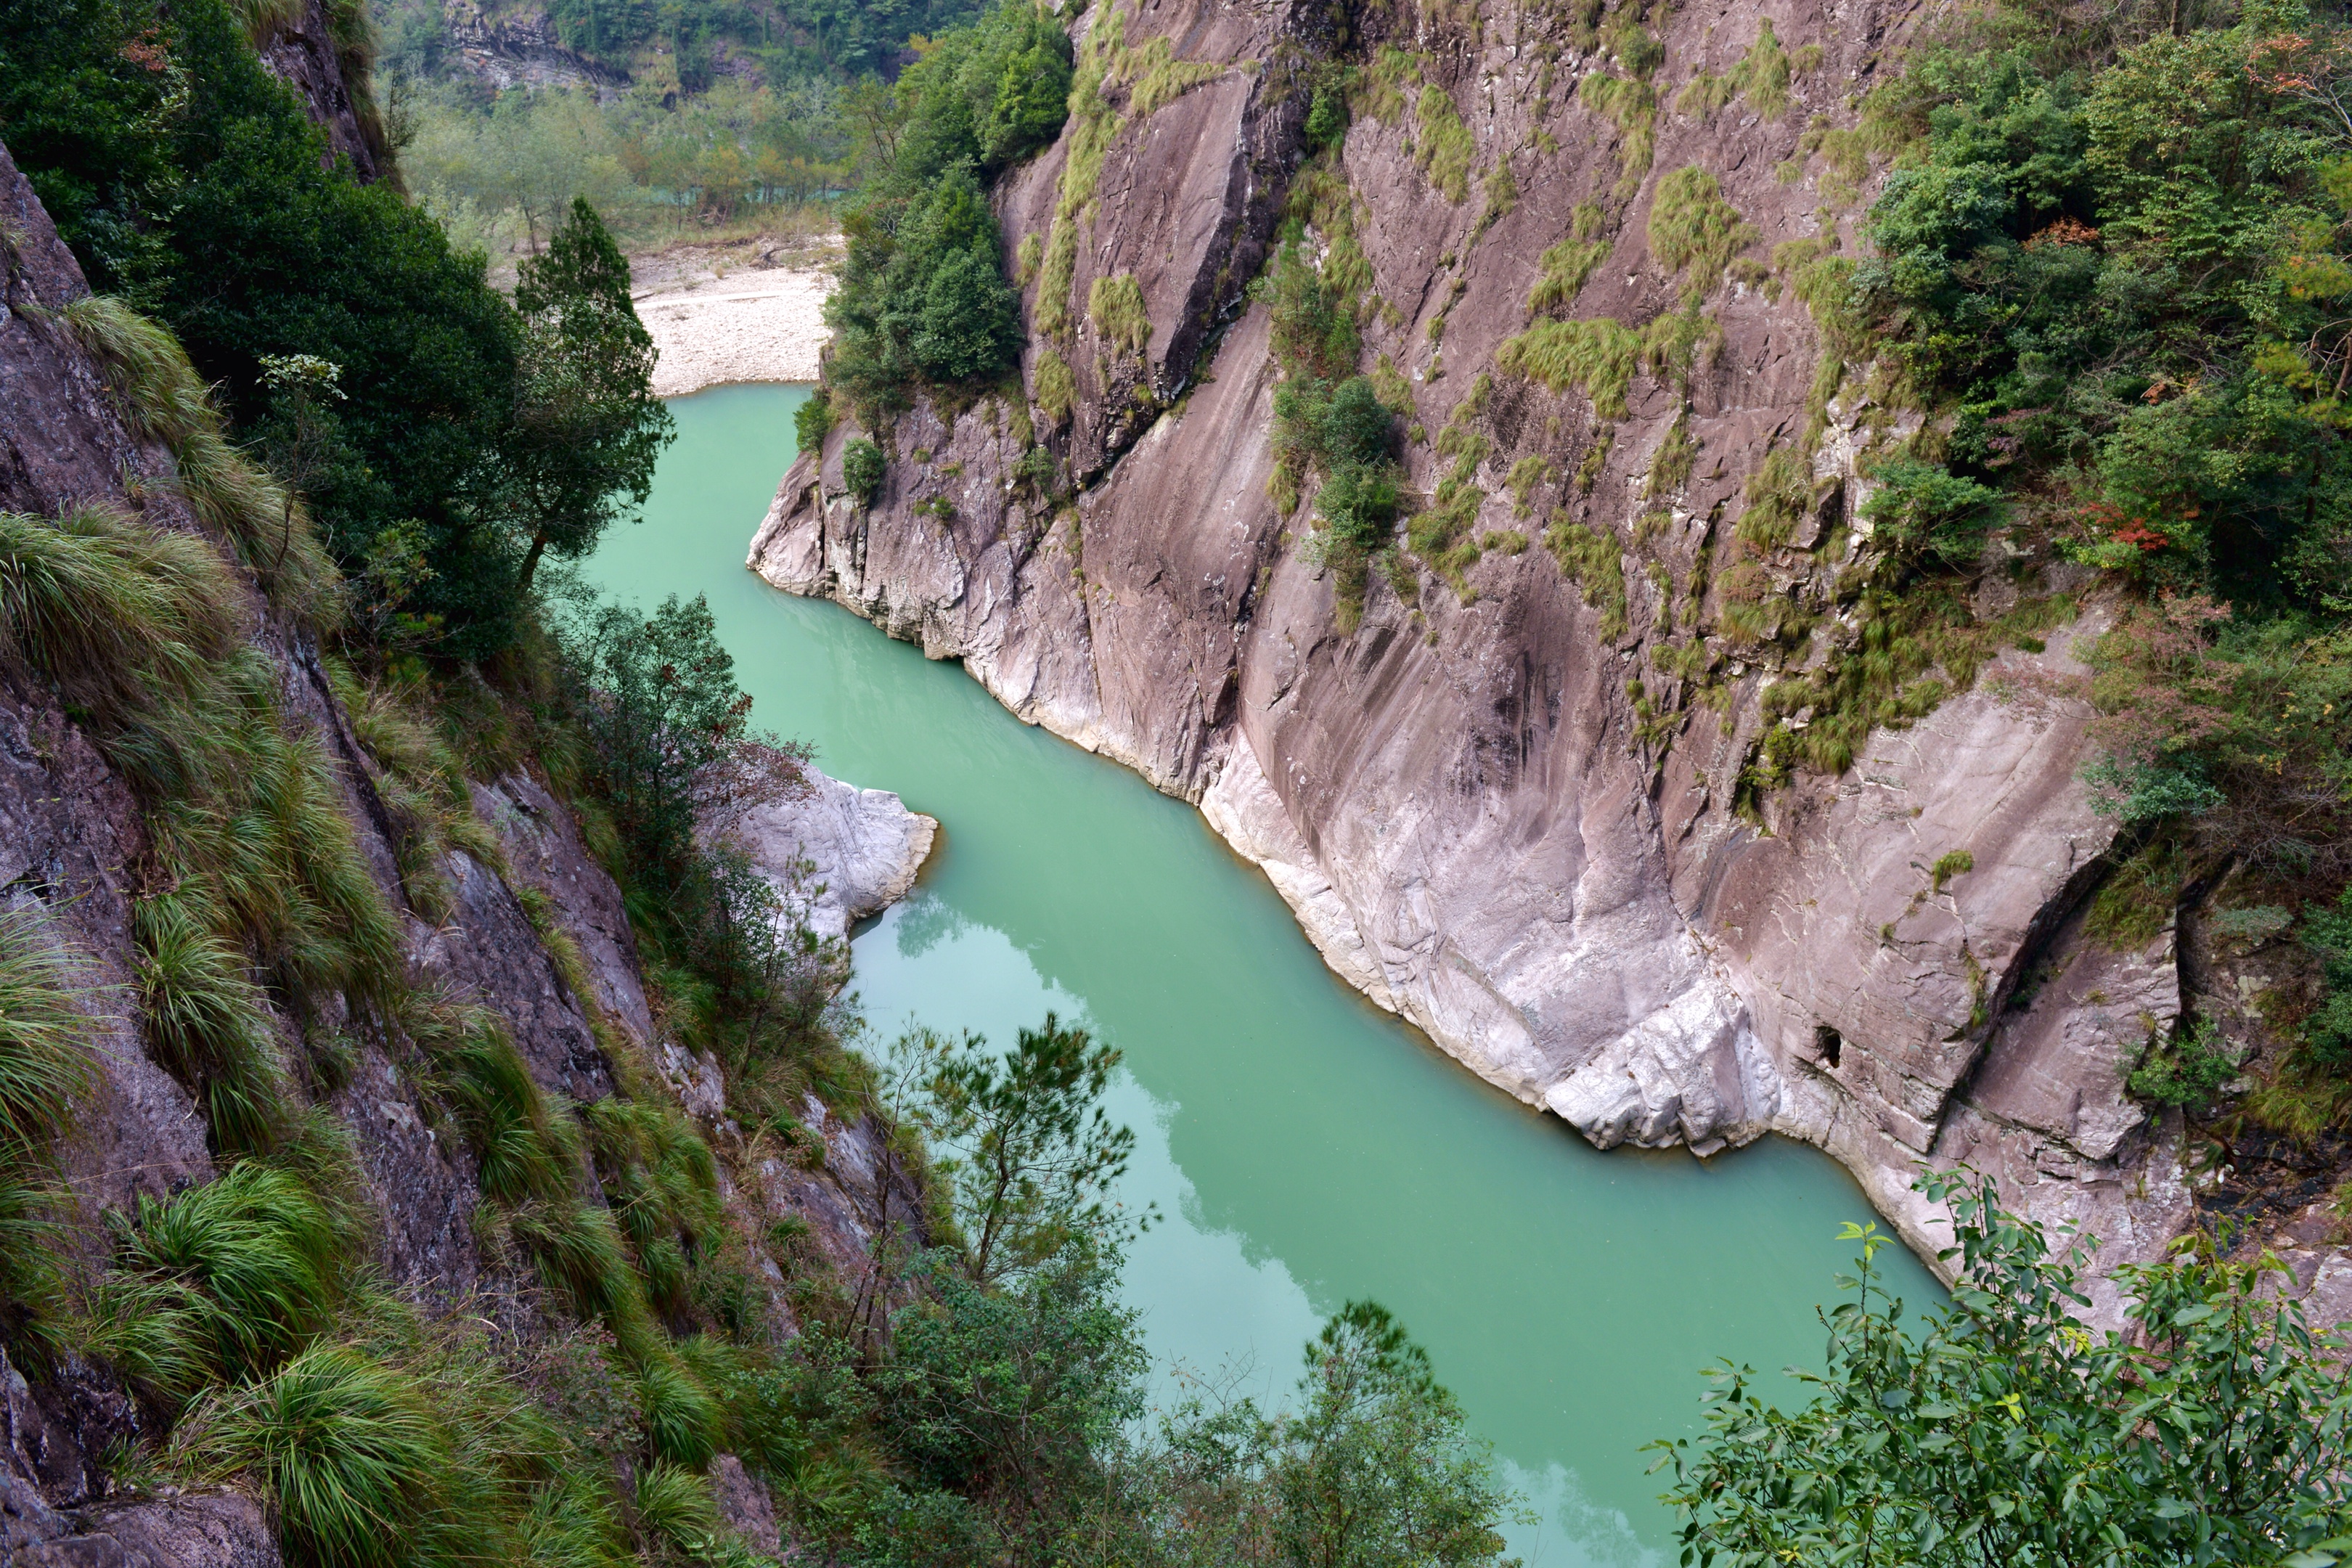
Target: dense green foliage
pixel 1330 423
pixel 1024 1147
pixel 499 171
pixel 1368 1466
pixel 862 36
pixel 2000 1430
pixel 923 297
pixel 1015 1416
pixel 2121 276
pixel 2111 263
pixel 457 439
pixel 2327 1032
pixel 187 178
pixel 861 468
pixel 587 427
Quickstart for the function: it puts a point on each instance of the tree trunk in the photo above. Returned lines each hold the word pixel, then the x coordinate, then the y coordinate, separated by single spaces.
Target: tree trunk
pixel 530 561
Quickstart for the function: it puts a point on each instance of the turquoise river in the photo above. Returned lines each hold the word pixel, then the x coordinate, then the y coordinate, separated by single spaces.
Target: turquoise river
pixel 1303 1147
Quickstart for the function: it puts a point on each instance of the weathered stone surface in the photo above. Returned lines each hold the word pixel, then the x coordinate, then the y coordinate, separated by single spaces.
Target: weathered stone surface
pixel 837 854
pixel 191 1530
pixel 1475 820
pixel 52 1508
pixel 744 1506
pixel 68 826
pixel 491 951
pixel 330 78
pixel 521 48
pixel 52 1441
pixel 544 853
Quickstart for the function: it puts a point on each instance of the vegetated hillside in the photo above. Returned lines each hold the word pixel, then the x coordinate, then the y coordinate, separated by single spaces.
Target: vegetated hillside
pixel 683 120
pixel 681 48
pixel 428 1133
pixel 329 1080
pixel 1750 569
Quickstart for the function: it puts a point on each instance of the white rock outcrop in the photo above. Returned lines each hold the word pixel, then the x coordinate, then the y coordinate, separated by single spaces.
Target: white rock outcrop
pixel 838 853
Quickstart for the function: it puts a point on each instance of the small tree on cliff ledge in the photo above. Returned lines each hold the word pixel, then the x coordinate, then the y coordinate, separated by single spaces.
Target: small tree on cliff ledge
pixel 2001 1431
pixel 587 426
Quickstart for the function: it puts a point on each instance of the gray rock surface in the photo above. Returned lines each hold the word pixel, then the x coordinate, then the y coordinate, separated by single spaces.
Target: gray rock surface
pixel 331 81
pixel 837 854
pixel 1475 820
pixel 53 1509
pixel 744 1506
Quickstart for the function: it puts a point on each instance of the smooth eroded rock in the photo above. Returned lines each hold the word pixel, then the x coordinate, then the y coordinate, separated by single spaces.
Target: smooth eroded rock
pixel 838 854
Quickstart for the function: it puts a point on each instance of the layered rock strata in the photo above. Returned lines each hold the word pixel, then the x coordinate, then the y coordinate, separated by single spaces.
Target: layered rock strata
pixel 1514 806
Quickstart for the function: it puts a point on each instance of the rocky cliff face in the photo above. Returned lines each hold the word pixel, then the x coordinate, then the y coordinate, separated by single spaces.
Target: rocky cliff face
pixel 325 50
pixel 521 48
pixel 74 852
pixel 1519 806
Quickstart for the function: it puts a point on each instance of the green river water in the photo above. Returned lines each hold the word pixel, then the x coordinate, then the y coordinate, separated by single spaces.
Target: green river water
pixel 1303 1147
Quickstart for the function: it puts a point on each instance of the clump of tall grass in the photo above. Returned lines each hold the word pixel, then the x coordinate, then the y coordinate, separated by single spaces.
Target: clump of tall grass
pixel 347 1452
pixel 684 1422
pixel 162 397
pixel 44 1069
pixel 526 1141
pixel 675 1508
pixel 423 784
pixel 43 1064
pixel 579 1255
pixel 118 615
pixel 527 1145
pixel 138 631
pixel 221 1283
pixel 663 1184
pixel 257 817
pixel 264 19
pixel 208 1024
pixel 159 391
pixel 571 1524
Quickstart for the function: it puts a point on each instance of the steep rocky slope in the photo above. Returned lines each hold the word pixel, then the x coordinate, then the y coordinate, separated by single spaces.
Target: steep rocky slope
pixel 534 932
pixel 325 50
pixel 1534 800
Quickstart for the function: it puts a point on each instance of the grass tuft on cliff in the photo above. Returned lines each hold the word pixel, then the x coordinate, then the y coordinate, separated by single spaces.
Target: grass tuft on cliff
pixel 208 1022
pixel 346 1450
pixel 219 1284
pixel 45 1068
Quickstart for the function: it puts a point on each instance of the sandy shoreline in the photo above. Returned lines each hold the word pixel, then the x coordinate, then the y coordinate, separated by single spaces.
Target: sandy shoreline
pixel 748 323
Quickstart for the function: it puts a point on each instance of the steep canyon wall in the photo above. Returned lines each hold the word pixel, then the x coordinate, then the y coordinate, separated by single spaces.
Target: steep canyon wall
pixel 1517 801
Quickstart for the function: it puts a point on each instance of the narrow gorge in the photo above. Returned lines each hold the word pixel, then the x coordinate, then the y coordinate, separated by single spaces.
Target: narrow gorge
pixel 1413 671
pixel 1519 801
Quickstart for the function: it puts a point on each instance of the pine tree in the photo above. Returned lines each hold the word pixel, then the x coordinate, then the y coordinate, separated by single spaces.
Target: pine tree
pixel 587 426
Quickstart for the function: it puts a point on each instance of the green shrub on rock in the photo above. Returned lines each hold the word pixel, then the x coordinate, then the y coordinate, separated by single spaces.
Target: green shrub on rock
pixel 1999 1428
pixel 862 466
pixel 812 422
pixel 923 297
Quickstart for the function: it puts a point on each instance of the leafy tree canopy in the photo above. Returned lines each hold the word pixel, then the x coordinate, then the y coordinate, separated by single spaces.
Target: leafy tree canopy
pixel 187 178
pixel 2000 1430
pixel 587 426
pixel 923 295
